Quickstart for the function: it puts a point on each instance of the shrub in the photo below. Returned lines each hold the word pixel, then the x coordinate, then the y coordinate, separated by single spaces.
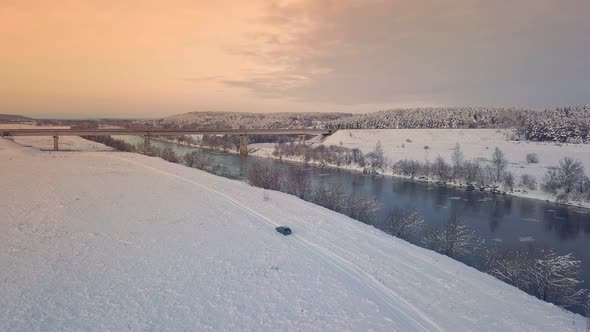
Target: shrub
pixel 168 154
pixel 332 198
pixel 561 181
pixel 532 158
pixel 264 177
pixel 198 159
pixel 528 182
pixel 361 206
pixel 454 239
pixel 404 223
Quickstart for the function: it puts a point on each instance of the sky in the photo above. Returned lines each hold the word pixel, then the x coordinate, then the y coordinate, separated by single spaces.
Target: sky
pixel 153 58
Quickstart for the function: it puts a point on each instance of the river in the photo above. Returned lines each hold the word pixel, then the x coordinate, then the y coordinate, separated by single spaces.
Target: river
pixel 503 221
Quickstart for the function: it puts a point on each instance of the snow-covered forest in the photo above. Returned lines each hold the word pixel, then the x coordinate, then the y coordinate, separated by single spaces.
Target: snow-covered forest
pixel 566 124
pixel 217 120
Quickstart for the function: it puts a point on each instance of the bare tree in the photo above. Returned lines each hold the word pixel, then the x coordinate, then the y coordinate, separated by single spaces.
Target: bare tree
pixel 297 182
pixel 508 181
pixel 441 169
pixel 471 171
pixel 562 181
pixel 168 154
pixel 556 279
pixel 198 159
pixel 404 223
pixel 539 272
pixel 528 182
pixel 361 206
pixel 407 167
pixel 454 239
pixel 512 266
pixel 457 160
pixel 264 177
pixel 332 198
pixel 376 156
pixel 499 163
pixel 569 173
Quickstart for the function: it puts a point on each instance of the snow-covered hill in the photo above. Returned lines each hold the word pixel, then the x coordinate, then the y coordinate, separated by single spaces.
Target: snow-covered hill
pixel 250 120
pixel 120 241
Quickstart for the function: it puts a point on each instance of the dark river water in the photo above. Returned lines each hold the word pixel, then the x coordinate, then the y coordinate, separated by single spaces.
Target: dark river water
pixel 503 221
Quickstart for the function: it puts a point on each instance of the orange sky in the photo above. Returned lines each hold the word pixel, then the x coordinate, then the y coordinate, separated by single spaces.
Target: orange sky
pixel 154 58
pixel 118 57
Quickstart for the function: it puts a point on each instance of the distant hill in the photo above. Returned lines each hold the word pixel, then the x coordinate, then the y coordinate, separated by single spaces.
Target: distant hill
pixel 212 120
pixel 12 117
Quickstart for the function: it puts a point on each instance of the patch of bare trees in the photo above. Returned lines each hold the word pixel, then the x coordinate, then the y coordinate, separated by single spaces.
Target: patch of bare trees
pixel 539 272
pixel 198 159
pixel 567 181
pixel 332 197
pixel 404 222
pixel 361 206
pixel 454 239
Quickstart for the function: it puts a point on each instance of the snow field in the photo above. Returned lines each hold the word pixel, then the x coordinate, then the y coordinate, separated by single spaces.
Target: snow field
pixel 120 241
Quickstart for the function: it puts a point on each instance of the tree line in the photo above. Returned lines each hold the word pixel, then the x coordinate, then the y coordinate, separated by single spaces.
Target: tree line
pixel 567 181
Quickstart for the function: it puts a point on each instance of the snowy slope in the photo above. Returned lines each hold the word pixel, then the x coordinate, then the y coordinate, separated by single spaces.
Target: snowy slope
pixel 119 241
pixel 475 144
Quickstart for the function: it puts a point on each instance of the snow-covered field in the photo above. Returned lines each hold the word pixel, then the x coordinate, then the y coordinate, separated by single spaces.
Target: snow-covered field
pixel 120 241
pixel 476 144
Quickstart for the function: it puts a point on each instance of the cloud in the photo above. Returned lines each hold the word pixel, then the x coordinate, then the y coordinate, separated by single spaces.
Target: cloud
pixel 527 52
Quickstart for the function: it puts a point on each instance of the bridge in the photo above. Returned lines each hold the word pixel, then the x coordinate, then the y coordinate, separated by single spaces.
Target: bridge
pixel 149 133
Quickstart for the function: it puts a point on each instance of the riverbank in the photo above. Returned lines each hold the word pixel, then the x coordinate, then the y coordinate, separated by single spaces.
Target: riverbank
pixel 124 241
pixel 476 145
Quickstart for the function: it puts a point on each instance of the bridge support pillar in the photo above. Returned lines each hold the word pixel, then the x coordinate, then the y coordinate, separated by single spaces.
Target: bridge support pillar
pixel 243 145
pixel 56 143
pixel 146 143
pixel 301 139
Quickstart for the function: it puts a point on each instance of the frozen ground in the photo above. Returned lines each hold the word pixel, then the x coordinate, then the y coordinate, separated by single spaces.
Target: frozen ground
pixel 476 144
pixel 119 241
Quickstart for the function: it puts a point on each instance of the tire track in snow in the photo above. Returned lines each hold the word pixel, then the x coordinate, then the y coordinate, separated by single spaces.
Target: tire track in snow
pixel 427 260
pixel 347 267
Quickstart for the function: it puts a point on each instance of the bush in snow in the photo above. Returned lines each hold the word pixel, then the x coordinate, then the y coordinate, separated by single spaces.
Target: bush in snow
pixel 264 177
pixel 297 182
pixel 532 158
pixel 361 206
pixel 441 169
pixel 458 160
pixel 376 156
pixel 528 182
pixel 508 181
pixel 539 272
pixel 499 163
pixel 404 223
pixel 332 197
pixel 561 181
pixel 198 159
pixel 168 154
pixel 114 143
pixel 453 239
pixel 407 167
pixel 471 171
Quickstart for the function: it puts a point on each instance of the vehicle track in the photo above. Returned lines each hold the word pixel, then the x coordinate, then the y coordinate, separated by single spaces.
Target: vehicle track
pixel 381 292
